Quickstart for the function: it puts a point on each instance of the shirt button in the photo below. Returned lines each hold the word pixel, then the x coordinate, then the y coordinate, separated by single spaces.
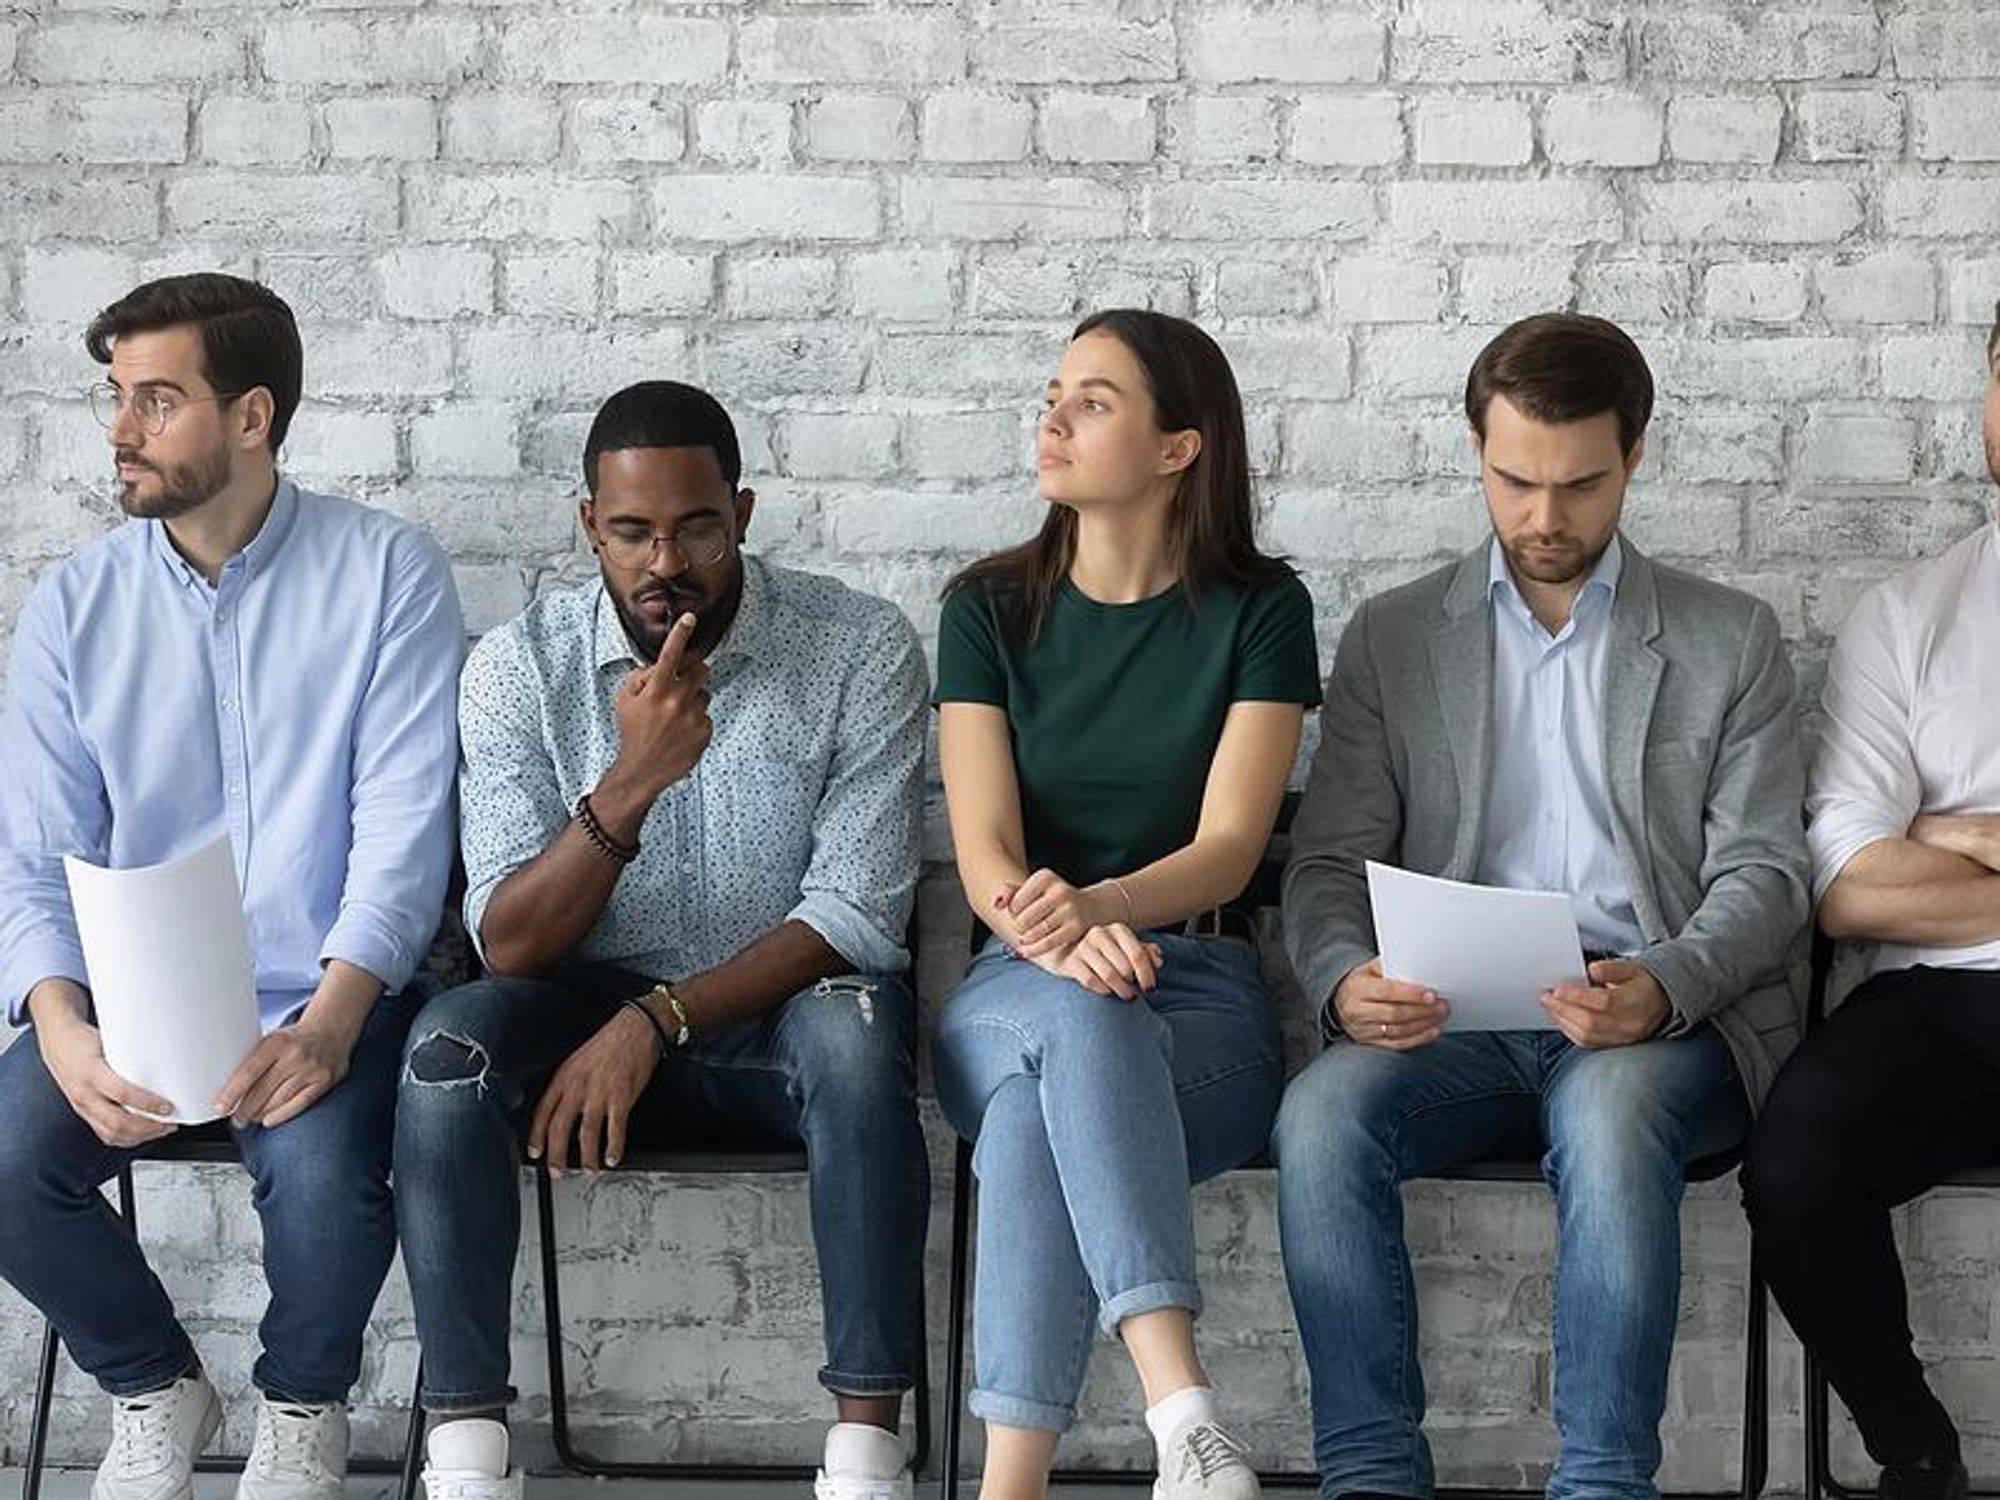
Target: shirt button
pixel 227 705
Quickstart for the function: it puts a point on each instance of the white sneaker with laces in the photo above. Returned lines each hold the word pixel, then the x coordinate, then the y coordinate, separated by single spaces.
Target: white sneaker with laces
pixel 862 1463
pixel 1202 1462
pixel 155 1439
pixel 299 1453
pixel 466 1459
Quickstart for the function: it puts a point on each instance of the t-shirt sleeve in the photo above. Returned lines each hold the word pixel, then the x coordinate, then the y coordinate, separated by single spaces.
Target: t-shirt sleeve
pixel 1278 658
pixel 970 664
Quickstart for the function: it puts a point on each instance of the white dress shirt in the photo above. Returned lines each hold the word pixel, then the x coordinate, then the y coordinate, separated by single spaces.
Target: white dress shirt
pixel 1912 721
pixel 1548 813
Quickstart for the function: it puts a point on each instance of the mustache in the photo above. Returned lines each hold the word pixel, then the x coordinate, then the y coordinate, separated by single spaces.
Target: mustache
pixel 127 456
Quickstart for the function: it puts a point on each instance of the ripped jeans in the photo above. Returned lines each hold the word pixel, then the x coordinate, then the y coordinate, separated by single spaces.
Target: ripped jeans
pixel 833 1069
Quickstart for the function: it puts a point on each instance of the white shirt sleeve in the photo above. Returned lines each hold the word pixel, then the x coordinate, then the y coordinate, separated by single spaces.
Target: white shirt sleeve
pixel 1864 785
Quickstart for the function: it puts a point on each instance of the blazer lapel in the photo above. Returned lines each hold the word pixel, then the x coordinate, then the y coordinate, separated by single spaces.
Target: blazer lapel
pixel 1632 671
pixel 1461 661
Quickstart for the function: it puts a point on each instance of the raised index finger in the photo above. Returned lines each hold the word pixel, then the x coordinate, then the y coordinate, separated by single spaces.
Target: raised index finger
pixel 671 652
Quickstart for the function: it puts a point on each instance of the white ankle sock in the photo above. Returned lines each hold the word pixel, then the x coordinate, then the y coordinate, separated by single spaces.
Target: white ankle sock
pixel 856 1450
pixel 1195 1403
pixel 468 1445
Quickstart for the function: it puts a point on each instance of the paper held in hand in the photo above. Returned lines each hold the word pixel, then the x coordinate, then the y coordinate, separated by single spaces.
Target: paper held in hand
pixel 1489 952
pixel 168 952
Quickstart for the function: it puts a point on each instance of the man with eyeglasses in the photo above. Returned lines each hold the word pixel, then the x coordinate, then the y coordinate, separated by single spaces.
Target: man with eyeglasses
pixel 242 657
pixel 692 807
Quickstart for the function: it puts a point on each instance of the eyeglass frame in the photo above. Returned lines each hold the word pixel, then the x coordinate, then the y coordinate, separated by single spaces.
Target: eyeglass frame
pixel 122 401
pixel 611 544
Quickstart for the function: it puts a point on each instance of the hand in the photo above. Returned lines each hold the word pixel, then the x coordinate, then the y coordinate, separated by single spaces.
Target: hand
pixel 1973 836
pixel 285 1074
pixel 663 723
pixel 1387 1013
pixel 1113 960
pixel 1050 914
pixel 592 1094
pixel 73 1053
pixel 1624 1004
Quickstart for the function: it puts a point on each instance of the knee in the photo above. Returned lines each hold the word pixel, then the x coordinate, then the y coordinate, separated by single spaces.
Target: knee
pixel 1793 1156
pixel 849 1045
pixel 1328 1138
pixel 448 1070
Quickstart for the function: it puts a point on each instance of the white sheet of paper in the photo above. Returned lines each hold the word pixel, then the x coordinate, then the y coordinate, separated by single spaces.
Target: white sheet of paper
pixel 1489 952
pixel 168 952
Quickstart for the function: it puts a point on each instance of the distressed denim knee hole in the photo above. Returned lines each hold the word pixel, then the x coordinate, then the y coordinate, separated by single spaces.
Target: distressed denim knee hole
pixel 442 1059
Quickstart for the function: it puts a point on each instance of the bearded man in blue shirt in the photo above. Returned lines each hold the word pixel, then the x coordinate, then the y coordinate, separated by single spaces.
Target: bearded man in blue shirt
pixel 240 657
pixel 692 798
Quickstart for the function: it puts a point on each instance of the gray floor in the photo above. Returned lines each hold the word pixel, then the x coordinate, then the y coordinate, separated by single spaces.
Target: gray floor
pixel 74 1484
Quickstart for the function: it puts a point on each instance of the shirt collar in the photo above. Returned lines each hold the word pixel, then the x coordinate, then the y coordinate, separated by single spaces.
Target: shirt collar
pixel 749 633
pixel 1603 580
pixel 258 555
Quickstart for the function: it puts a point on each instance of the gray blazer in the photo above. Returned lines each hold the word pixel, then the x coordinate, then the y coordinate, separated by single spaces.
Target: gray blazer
pixel 1700 749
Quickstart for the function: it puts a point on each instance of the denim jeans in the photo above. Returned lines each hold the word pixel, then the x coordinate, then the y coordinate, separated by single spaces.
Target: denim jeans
pixel 1614 1128
pixel 1091 1116
pixel 832 1068
pixel 321 1190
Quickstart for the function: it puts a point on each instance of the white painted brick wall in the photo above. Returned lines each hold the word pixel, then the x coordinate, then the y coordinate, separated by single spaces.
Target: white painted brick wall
pixel 867 227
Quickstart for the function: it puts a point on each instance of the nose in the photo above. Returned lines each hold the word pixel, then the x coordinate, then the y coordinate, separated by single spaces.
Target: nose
pixel 1055 419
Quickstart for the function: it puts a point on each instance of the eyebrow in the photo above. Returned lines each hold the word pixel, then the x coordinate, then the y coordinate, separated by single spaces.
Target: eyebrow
pixel 626 518
pixel 149 385
pixel 1091 380
pixel 1562 484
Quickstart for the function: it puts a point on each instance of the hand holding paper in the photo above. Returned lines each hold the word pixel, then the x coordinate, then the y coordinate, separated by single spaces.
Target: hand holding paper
pixel 168 952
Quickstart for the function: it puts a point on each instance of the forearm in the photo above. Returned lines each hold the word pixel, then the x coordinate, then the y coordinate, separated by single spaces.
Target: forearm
pixel 1195 878
pixel 540 913
pixel 1902 891
pixel 761 977
pixel 55 1004
pixel 985 871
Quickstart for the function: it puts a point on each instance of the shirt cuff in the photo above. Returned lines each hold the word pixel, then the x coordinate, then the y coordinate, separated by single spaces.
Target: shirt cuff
pixel 851 934
pixel 47 958
pixel 361 938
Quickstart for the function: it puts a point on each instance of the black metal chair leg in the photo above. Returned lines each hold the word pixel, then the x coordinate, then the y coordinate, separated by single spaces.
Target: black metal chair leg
pixel 1756 1386
pixel 954 1366
pixel 413 1439
pixel 38 1426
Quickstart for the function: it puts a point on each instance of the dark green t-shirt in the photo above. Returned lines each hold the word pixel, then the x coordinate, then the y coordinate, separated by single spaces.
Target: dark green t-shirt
pixel 1115 710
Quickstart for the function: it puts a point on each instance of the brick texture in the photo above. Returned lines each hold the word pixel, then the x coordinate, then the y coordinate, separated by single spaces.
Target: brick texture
pixel 867 227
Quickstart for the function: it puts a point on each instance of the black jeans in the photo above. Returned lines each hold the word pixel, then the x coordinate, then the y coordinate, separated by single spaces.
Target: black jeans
pixel 1898 1089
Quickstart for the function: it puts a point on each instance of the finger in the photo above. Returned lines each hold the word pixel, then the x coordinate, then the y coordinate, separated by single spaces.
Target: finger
pixel 634 682
pixel 561 1133
pixel 247 1073
pixel 589 1136
pixel 1056 938
pixel 118 1127
pixel 280 1077
pixel 1005 897
pixel 614 1135
pixel 1033 888
pixel 538 1123
pixel 672 650
pixel 1581 997
pixel 1033 911
pixel 1107 974
pixel 120 1091
pixel 1141 966
pixel 291 1101
pixel 1570 1021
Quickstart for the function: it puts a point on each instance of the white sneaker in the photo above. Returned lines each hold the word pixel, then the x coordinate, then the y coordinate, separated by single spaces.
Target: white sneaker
pixel 154 1441
pixel 467 1460
pixel 299 1453
pixel 1202 1462
pixel 862 1463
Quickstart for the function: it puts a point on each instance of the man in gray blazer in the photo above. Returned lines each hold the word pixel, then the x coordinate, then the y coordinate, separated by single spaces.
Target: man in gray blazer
pixel 1555 712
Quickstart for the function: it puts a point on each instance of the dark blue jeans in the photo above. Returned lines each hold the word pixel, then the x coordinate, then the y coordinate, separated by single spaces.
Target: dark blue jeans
pixel 321 1190
pixel 832 1068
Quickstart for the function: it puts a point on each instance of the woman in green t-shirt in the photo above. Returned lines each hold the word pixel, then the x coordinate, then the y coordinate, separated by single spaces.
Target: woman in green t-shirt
pixel 1120 701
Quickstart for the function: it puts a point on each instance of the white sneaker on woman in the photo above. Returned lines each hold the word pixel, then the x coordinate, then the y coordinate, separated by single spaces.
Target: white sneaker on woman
pixel 1202 1462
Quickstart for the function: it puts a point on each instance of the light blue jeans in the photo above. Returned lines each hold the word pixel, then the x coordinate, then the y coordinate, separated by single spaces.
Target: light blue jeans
pixel 1614 1129
pixel 1091 1117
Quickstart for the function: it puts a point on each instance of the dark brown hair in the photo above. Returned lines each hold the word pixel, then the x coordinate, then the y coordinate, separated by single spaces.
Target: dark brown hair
pixel 248 335
pixel 1211 524
pixel 1564 367
pixel 1993 338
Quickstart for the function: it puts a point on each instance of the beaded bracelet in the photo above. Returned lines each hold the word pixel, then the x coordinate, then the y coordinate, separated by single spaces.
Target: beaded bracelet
pixel 593 830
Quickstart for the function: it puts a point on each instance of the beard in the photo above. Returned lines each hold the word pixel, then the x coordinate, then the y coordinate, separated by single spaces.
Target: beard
pixel 182 487
pixel 713 610
pixel 1574 558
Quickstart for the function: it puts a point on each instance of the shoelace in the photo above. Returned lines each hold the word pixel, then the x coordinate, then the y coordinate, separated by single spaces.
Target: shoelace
pixel 142 1435
pixel 1210 1450
pixel 291 1449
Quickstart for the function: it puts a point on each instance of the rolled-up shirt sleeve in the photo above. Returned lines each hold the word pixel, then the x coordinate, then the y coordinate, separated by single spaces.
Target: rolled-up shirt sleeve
pixel 1864 785
pixel 52 803
pixel 868 827
pixel 405 760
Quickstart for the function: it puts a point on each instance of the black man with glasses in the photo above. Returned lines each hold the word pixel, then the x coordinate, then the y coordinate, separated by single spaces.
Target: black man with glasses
pixel 244 658
pixel 691 798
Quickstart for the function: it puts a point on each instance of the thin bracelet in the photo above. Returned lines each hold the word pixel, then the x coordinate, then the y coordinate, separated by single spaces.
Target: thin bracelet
pixel 610 848
pixel 1131 918
pixel 684 1032
pixel 651 1020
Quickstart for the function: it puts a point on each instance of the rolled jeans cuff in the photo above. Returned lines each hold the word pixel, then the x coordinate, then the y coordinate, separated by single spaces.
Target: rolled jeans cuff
pixel 177 1365
pixel 464 1403
pixel 1019 1411
pixel 1150 1297
pixel 843 1384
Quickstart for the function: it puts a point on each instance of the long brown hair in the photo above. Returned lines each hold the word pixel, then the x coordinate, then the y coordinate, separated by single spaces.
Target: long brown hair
pixel 1211 524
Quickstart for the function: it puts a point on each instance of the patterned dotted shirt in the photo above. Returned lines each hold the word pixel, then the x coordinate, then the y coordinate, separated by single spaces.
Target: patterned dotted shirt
pixel 807 804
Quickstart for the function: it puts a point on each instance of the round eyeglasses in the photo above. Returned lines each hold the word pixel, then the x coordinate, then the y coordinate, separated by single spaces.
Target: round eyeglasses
pixel 696 543
pixel 151 407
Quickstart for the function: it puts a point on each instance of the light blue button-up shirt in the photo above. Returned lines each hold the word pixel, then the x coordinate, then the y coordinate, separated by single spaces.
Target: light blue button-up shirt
pixel 303 705
pixel 1548 814
pixel 807 803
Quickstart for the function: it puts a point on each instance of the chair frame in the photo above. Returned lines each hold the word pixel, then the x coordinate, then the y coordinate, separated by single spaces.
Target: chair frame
pixel 1818 1404
pixel 581 1461
pixel 195 1145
